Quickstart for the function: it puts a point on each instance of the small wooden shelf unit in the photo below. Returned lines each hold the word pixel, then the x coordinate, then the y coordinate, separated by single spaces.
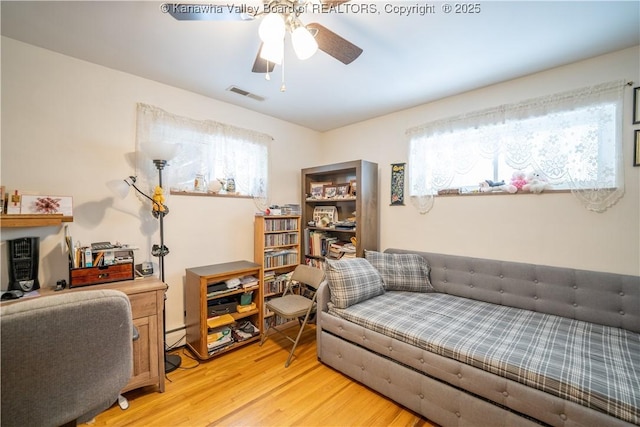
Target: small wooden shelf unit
pixel 196 303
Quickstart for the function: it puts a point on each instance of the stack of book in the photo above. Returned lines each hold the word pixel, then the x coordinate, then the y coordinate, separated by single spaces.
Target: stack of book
pixel 219 338
pixel 341 249
pixel 248 282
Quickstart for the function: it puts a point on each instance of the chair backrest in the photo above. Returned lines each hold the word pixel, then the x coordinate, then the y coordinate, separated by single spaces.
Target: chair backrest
pixel 311 276
pixel 64 357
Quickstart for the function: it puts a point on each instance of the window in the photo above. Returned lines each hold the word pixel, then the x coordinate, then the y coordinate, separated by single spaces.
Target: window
pixel 211 149
pixel 573 139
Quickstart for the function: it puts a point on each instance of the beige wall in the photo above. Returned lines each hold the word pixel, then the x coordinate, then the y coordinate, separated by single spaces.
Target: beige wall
pixel 552 229
pixel 68 128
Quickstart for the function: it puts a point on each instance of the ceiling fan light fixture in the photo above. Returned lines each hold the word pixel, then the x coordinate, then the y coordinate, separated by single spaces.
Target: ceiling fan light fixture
pixel 303 42
pixel 273 51
pixel 272 28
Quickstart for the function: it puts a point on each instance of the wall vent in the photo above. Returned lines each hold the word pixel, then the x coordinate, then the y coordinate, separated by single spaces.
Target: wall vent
pixel 236 89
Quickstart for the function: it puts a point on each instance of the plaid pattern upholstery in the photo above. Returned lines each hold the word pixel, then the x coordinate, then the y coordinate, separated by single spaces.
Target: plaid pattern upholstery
pixel 401 272
pixel 593 365
pixel 352 280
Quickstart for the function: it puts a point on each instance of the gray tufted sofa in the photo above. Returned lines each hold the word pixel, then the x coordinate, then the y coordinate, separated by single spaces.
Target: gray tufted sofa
pixel 453 393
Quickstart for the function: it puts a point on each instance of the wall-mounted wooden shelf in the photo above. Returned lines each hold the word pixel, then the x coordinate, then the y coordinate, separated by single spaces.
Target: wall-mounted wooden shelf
pixel 29 220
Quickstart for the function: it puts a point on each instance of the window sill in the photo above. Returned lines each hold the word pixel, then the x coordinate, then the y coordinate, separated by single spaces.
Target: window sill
pixel 202 194
pixel 499 193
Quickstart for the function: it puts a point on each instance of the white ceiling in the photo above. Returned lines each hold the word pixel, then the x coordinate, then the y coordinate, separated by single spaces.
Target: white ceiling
pixel 407 60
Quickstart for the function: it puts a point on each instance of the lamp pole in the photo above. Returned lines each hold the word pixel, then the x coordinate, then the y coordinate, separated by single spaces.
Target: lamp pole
pixel 171 361
pixel 160 164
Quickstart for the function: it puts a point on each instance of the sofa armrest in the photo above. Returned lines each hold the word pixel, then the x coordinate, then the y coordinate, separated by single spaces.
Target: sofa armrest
pixel 324 296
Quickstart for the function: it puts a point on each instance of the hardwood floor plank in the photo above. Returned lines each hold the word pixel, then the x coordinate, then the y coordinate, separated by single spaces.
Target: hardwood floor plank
pixel 251 387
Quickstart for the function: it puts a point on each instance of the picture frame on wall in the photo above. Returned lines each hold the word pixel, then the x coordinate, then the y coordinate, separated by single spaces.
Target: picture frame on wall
pixel 636 148
pixel 397 184
pixel 636 105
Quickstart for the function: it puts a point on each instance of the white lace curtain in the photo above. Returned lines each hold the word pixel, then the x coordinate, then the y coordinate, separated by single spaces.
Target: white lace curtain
pixel 573 138
pixel 205 147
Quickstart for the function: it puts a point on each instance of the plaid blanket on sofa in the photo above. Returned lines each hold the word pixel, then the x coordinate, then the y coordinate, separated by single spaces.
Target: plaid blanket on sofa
pixel 593 365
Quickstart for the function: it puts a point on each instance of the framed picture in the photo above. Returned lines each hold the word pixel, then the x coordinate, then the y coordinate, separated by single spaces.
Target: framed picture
pixel 397 184
pixel 353 186
pixel 330 191
pixel 316 189
pixel 636 149
pixel 636 105
pixel 47 205
pixel 342 190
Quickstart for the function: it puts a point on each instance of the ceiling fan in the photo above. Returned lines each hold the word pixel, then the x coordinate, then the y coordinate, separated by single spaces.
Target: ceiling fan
pixel 278 18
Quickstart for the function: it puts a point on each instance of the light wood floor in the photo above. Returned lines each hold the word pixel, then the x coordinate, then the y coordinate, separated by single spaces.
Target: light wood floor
pixel 251 387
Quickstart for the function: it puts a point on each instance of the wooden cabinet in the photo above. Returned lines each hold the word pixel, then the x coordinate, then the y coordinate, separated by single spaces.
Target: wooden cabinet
pixel 277 243
pixel 203 296
pixel 360 206
pixel 148 352
pixel 147 304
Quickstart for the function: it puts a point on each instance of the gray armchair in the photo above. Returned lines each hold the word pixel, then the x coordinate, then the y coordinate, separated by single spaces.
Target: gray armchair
pixel 63 358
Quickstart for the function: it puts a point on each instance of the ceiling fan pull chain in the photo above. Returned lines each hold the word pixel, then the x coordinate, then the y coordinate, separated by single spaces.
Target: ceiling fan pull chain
pixel 283 87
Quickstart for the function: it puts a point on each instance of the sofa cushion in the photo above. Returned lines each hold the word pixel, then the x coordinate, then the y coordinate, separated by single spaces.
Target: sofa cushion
pixel 352 280
pixel 401 272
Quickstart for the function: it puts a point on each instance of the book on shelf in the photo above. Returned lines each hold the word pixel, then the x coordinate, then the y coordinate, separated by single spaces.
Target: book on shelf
pixel 217 321
pixel 341 249
pixel 247 282
pixel 274 284
pixel 322 244
pixel 219 338
pixel 277 258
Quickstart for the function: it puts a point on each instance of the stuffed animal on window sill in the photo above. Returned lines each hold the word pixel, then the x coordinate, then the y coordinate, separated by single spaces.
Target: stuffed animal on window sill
pixel 488 186
pixel 536 183
pixel 518 180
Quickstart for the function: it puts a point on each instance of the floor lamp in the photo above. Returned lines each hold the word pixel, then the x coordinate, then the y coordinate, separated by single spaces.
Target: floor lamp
pixel 159 211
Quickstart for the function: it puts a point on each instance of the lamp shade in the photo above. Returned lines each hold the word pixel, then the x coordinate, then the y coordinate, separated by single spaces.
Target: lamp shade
pixel 159 150
pixel 273 51
pixel 304 44
pixel 119 187
pixel 271 28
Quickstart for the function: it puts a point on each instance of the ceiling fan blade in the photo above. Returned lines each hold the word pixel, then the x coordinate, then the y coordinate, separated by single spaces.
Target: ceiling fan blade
pixel 334 45
pixel 207 12
pixel 261 65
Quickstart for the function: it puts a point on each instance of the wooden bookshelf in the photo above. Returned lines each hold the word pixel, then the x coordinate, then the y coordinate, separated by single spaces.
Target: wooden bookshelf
pixel 276 245
pixel 362 206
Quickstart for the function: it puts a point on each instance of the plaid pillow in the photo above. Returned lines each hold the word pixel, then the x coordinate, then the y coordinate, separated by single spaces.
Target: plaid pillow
pixel 401 272
pixel 352 280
